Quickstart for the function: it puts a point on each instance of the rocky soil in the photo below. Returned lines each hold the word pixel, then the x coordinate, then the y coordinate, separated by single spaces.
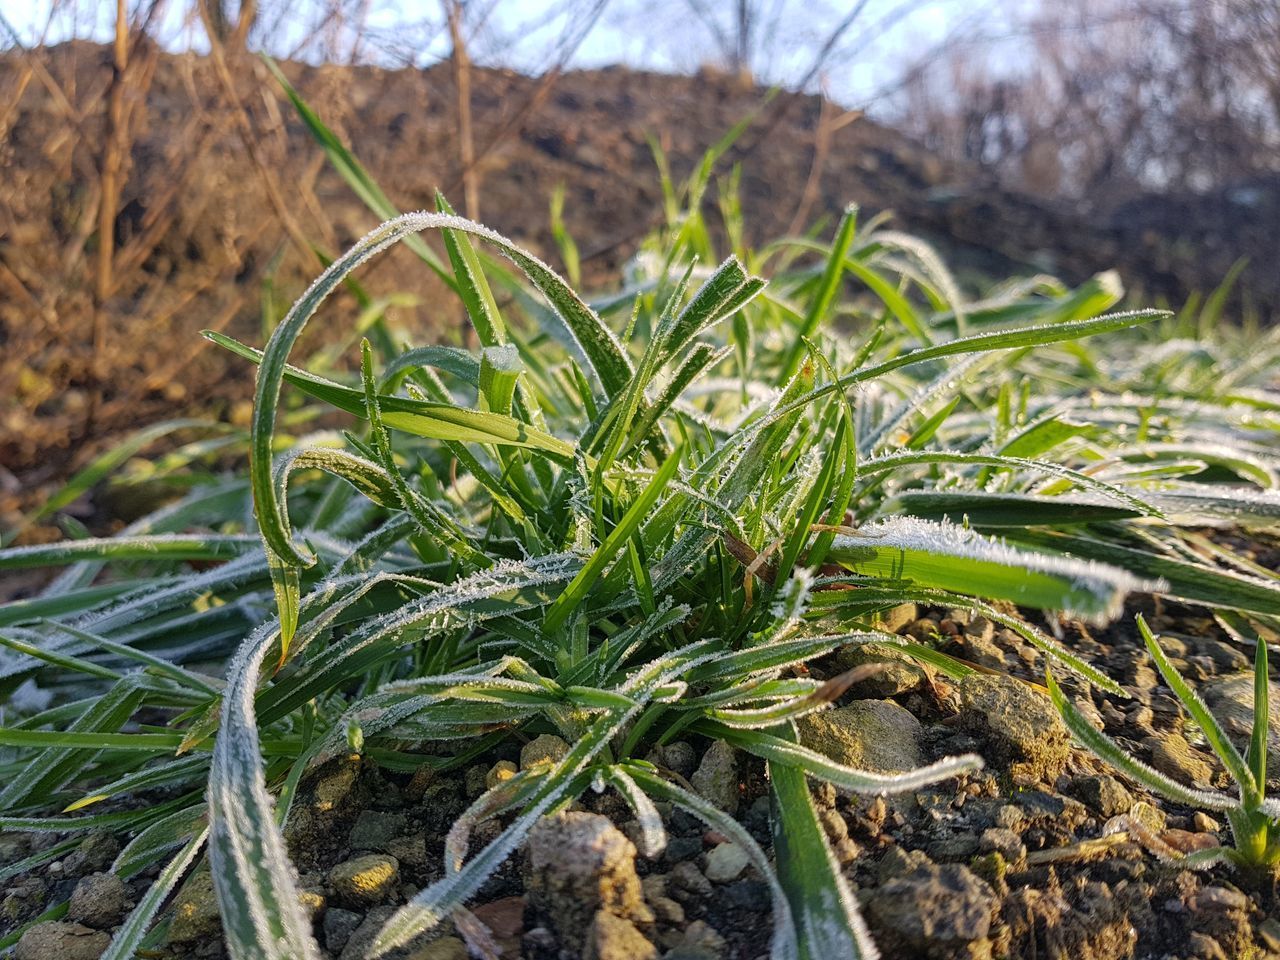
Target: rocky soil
pixel 1043 854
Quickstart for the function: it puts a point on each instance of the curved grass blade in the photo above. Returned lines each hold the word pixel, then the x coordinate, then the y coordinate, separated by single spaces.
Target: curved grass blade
pixel 785 945
pixel 1206 721
pixel 126 940
pixel 824 906
pixel 1111 752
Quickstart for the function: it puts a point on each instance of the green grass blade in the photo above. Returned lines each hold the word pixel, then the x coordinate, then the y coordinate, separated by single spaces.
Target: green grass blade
pixel 949 557
pixel 643 505
pixel 1111 752
pixel 1208 724
pixel 126 940
pixel 821 900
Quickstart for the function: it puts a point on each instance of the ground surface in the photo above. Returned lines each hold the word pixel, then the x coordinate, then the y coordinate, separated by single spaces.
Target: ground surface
pixel 1043 854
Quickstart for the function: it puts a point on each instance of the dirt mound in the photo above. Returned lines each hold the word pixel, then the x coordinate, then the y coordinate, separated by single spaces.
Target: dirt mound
pixel 200 240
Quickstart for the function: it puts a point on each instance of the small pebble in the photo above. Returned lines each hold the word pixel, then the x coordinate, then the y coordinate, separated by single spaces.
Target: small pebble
pixel 726 862
pixel 500 771
pixel 365 880
pixel 99 900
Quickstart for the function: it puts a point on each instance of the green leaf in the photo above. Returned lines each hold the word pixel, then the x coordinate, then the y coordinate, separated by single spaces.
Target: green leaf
pixel 643 505
pixel 1197 582
pixel 1111 752
pixel 129 936
pixel 949 557
pixel 821 900
pixel 1004 509
pixel 1208 724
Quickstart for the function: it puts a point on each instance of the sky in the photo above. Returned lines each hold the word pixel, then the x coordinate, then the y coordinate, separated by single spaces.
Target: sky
pixel 659 34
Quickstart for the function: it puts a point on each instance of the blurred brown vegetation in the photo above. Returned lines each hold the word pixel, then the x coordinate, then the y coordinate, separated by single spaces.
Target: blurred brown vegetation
pixel 147 195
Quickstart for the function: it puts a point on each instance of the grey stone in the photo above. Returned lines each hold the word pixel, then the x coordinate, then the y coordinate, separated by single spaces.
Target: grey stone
pixel 725 862
pixel 544 749
pixel 613 938
pixel 701 936
pixel 1004 842
pixel 667 910
pixel 362 937
pixel 716 779
pixel 897 673
pixel 375 829
pixel 61 941
pixel 1021 726
pixel 896 618
pixel 1104 794
pixel 94 855
pixel 99 900
pixel 934 909
pixel 195 912
pixel 680 757
pixel 579 864
pixel 338 925
pixel 875 735
pixel 335 784
pixel 688 879
pixel 898 862
pixel 500 771
pixel 364 881
pixel 410 850
pixel 682 848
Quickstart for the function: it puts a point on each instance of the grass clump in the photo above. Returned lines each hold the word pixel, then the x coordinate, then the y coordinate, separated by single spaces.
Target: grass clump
pixel 1254 819
pixel 620 521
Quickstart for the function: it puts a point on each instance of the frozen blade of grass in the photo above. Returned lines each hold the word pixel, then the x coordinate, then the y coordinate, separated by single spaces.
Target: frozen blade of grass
pixel 988 510
pixel 164 546
pixel 53 658
pixel 57 766
pixel 1222 746
pixel 73 602
pixel 351 170
pixel 643 505
pixel 653 835
pixel 949 557
pixel 784 944
pixel 743 480
pixel 107 462
pixel 891 462
pixel 728 289
pixel 169 773
pixel 1017 338
pixel 437 420
pixel 1257 756
pixel 253 879
pixel 777 750
pixel 126 940
pixel 1111 752
pixel 1196 582
pixel 828 288
pixel 158 838
pixel 471 284
pixel 597 341
pixel 821 900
